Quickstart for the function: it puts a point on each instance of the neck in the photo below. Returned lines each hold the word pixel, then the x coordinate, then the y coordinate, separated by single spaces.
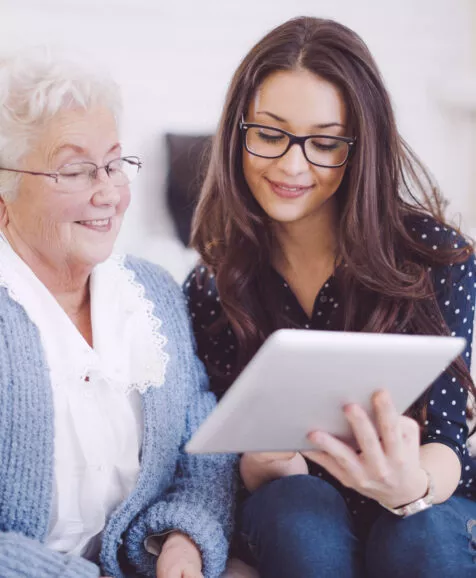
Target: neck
pixel 309 243
pixel 68 285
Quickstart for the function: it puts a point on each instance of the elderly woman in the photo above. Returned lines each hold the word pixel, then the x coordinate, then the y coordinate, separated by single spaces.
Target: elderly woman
pixel 99 383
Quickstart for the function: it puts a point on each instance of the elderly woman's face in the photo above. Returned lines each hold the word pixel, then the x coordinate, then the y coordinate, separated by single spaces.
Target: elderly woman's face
pixel 63 227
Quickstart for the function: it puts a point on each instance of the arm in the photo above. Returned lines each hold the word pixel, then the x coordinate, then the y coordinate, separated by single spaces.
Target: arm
pixel 391 467
pixel 444 467
pixel 201 295
pixel 199 502
pixel 446 430
pixel 218 351
pixel 22 557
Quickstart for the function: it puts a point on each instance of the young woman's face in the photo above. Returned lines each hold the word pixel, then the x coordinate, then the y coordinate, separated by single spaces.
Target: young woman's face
pixel 290 189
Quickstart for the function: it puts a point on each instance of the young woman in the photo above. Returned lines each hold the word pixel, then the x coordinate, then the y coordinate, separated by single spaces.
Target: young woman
pixel 316 214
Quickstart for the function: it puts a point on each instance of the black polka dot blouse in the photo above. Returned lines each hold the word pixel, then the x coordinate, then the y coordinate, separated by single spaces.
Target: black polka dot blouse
pixel 455 288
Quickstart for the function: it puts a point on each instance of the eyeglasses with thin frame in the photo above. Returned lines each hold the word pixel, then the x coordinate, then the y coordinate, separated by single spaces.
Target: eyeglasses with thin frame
pixel 77 177
pixel 320 150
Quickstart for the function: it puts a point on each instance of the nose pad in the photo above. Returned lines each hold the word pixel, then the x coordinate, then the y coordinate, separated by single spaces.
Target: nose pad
pixel 100 175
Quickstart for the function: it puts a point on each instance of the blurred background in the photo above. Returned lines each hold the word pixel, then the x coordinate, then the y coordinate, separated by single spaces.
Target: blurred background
pixel 174 61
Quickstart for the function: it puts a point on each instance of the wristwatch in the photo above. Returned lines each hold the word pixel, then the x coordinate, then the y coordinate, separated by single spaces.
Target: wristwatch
pixel 418 505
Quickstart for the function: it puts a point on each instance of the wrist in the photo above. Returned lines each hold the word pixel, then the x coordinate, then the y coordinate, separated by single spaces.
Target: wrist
pixel 180 541
pixel 416 488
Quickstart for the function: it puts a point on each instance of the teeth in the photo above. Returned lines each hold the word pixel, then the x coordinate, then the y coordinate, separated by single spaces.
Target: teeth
pixel 293 189
pixel 96 222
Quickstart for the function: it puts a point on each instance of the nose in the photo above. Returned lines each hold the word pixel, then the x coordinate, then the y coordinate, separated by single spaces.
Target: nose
pixel 105 192
pixel 294 162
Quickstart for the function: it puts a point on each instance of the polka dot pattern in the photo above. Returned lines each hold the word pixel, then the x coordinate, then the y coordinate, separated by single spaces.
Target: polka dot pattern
pixel 455 291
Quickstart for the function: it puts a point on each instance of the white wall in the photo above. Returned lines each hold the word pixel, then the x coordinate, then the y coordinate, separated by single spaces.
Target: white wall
pixel 175 59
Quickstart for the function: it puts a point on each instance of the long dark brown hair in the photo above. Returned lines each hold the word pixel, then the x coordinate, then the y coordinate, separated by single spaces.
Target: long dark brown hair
pixel 385 186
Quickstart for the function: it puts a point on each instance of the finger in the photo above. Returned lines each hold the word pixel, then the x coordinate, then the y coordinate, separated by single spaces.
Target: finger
pixel 329 464
pixel 366 436
pixel 410 433
pixel 388 424
pixel 344 456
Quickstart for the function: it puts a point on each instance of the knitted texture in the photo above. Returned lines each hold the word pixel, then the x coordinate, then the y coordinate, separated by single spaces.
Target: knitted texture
pixel 174 490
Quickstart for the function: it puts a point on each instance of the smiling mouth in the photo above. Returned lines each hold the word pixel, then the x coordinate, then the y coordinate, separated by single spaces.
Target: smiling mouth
pixel 97 224
pixel 289 191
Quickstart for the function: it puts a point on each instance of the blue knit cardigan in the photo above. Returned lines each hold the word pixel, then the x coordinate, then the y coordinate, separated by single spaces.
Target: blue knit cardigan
pixel 174 490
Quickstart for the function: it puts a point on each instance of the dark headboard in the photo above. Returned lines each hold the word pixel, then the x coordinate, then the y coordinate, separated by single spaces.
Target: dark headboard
pixel 187 164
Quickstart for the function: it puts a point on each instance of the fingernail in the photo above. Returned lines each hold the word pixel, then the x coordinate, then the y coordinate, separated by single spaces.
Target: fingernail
pixel 351 408
pixel 317 437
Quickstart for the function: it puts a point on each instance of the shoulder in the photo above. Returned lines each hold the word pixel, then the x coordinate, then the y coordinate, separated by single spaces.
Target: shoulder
pixel 444 240
pixel 431 233
pixel 150 272
pixel 21 348
pixel 12 313
pixel 157 281
pixel 161 289
pixel 200 284
pixel 202 296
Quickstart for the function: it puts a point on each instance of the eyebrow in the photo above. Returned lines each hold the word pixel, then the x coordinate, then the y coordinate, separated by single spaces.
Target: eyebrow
pixel 280 119
pixel 80 150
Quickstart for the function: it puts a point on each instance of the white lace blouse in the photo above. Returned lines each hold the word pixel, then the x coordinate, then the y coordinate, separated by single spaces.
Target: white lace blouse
pixel 98 418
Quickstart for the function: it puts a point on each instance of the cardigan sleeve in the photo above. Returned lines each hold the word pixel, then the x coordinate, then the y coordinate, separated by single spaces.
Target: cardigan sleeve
pixel 22 557
pixel 200 501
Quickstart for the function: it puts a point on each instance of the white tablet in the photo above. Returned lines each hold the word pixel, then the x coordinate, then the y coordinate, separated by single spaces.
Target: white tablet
pixel 299 380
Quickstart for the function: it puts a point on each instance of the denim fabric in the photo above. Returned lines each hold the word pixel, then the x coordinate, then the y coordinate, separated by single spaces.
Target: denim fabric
pixel 301 526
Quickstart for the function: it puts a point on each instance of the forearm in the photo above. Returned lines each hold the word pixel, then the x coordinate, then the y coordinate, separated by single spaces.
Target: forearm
pixel 255 471
pixel 444 467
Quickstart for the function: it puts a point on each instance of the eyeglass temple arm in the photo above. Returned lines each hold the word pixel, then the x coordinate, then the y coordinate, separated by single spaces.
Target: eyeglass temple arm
pixel 51 175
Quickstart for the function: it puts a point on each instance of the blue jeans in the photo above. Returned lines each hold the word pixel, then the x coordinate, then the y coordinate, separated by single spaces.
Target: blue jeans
pixel 300 527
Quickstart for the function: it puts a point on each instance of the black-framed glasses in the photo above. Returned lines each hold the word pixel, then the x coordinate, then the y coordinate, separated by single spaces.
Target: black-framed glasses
pixel 319 149
pixel 78 177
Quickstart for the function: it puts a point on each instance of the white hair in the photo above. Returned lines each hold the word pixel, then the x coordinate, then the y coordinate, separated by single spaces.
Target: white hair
pixel 34 87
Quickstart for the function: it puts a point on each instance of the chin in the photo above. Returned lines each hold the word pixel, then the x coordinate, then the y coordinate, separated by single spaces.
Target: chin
pixel 95 255
pixel 286 214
